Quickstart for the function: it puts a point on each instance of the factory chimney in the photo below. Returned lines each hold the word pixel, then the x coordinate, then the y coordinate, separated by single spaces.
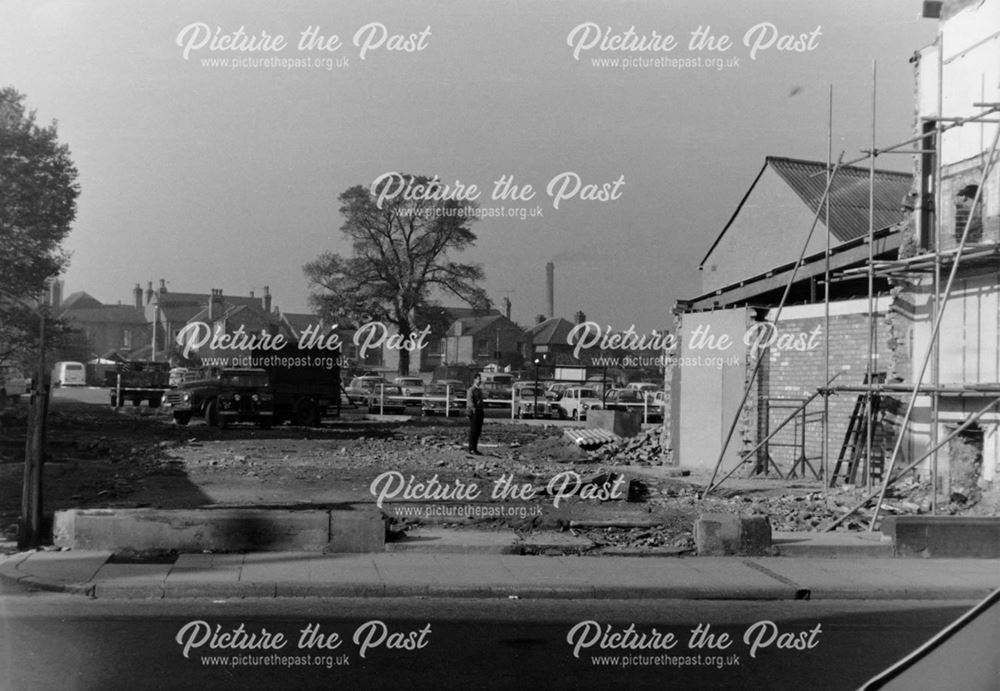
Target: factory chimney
pixel 550 288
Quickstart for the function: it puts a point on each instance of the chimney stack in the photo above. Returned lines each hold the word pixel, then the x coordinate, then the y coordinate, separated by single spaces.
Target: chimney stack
pixel 149 292
pixel 506 307
pixel 580 317
pixel 550 288
pixel 137 295
pixel 539 318
pixel 214 302
pixel 163 286
pixel 267 298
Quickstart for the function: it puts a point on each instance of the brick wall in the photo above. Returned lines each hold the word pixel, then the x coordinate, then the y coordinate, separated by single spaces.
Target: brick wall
pixel 793 375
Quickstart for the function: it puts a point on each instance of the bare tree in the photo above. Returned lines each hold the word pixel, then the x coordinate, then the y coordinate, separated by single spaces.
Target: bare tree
pixel 401 247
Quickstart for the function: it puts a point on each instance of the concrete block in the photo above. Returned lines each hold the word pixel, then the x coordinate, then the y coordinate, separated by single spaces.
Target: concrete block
pixel 357 530
pixel 945 536
pixel 620 422
pixel 721 534
pixel 193 530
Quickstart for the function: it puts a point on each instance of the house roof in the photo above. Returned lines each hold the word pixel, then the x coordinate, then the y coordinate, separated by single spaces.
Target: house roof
pixel 463 312
pixel 471 326
pixel 251 317
pixel 79 300
pixel 170 298
pixel 180 308
pixel 849 196
pixel 107 314
pixel 180 313
pixel 551 331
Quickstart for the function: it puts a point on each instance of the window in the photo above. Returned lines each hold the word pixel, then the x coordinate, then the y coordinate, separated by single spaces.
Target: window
pixel 965 213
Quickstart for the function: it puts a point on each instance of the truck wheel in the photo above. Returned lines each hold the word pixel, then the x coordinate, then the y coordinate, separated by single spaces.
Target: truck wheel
pixel 576 414
pixel 305 413
pixel 182 418
pixel 137 401
pixel 211 414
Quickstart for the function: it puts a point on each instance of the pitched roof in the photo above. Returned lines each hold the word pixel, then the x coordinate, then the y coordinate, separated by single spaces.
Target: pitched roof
pixel 180 308
pixel 107 314
pixel 551 331
pixel 849 196
pixel 474 325
pixel 299 322
pixel 251 317
pixel 463 312
pixel 79 300
pixel 201 299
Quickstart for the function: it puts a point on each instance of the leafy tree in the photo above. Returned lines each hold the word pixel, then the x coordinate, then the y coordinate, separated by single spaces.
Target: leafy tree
pixel 38 192
pixel 400 261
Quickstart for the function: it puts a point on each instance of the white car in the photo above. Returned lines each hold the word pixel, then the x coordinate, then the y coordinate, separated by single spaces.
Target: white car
pixel 413 388
pixel 531 401
pixel 577 400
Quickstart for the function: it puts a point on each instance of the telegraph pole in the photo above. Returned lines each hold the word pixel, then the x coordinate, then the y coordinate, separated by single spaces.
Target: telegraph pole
pixel 29 534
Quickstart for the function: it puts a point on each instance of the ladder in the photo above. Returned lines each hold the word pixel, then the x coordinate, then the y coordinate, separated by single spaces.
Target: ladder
pixel 853 450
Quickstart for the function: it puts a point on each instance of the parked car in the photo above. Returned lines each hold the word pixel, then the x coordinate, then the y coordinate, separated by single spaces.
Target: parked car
pixel 413 388
pixel 577 400
pixel 496 394
pixel 643 386
pixel 69 374
pixel 387 399
pixel 437 393
pixel 361 387
pixel 530 401
pixel 659 399
pixel 13 384
pixel 555 390
pixel 634 400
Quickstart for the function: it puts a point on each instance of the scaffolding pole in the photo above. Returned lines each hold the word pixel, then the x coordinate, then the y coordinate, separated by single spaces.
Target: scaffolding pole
pixel 956 122
pixel 869 362
pixel 937 306
pixel 777 316
pixel 826 300
pixel 935 331
pixel 823 391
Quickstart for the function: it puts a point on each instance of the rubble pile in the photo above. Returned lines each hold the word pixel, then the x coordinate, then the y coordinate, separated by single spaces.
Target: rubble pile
pixel 644 449
pixel 674 536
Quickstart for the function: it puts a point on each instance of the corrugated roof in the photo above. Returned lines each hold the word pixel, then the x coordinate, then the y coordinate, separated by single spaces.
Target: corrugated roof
pixel 849 195
pixel 590 438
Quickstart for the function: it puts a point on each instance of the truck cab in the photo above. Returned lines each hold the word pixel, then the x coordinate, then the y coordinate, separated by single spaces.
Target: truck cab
pixel 224 396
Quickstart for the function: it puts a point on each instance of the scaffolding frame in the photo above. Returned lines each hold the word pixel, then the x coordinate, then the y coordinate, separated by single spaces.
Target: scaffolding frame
pixel 933 262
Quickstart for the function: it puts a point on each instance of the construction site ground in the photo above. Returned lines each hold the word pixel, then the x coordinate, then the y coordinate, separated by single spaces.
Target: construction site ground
pixel 137 457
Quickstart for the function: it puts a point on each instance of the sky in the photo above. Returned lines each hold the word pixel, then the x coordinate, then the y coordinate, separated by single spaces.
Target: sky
pixel 204 164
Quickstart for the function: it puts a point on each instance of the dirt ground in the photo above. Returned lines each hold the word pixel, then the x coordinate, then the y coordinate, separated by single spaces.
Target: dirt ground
pixel 138 458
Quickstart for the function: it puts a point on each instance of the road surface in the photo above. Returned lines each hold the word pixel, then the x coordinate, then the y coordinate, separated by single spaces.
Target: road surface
pixel 52 641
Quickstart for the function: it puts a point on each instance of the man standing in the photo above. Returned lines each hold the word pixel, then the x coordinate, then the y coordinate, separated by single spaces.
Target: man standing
pixel 474 409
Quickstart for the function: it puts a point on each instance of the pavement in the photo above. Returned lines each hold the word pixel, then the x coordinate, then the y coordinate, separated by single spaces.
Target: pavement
pixel 826 567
